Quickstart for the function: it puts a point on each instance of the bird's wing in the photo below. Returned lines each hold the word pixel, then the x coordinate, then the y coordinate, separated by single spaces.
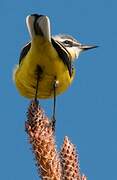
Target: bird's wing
pixel 24 51
pixel 63 54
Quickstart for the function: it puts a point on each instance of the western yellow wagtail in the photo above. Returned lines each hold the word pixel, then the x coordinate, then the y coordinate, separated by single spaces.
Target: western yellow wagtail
pixel 46 63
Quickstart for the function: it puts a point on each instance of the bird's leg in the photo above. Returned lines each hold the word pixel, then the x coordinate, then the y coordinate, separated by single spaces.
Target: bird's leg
pixel 54 104
pixel 37 85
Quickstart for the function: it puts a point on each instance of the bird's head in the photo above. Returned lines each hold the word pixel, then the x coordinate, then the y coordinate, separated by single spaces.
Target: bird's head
pixel 73 47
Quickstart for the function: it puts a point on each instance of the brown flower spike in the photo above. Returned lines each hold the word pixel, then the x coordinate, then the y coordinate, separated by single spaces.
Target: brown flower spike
pixel 51 165
pixel 43 143
pixel 70 164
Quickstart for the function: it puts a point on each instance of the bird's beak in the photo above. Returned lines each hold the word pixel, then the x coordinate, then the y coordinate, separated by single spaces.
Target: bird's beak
pixel 87 47
pixel 84 47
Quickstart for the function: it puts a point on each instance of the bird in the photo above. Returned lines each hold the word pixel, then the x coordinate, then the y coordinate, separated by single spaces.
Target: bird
pixel 45 67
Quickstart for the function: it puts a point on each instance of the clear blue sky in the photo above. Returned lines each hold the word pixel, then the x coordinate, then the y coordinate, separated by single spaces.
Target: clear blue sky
pixel 87 112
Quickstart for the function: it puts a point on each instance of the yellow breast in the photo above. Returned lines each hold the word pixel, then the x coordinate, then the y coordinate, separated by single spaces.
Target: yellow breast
pixel 42 54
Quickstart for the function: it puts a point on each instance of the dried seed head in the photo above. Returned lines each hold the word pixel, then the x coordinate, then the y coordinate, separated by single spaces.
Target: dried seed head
pixel 42 139
pixel 70 163
pixel 41 136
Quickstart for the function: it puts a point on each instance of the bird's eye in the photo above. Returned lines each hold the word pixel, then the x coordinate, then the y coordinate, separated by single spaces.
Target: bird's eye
pixel 66 42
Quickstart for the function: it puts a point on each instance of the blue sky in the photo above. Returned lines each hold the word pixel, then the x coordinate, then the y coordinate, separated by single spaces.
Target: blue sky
pixel 87 112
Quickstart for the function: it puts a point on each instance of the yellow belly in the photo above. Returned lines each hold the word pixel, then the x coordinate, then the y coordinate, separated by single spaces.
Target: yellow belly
pixel 44 55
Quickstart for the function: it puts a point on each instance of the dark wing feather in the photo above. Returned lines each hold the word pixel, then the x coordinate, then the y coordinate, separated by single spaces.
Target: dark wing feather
pixel 63 54
pixel 24 51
